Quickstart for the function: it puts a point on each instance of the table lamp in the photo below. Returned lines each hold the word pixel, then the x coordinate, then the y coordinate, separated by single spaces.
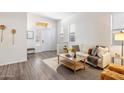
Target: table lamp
pixel 120 37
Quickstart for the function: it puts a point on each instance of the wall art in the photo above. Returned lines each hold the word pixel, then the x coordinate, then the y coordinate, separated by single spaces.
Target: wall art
pixel 2 28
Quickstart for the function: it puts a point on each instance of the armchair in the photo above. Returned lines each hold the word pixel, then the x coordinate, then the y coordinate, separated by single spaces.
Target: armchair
pixel 113 72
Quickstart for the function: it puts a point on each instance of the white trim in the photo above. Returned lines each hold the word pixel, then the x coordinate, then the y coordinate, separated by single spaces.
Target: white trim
pixel 12 62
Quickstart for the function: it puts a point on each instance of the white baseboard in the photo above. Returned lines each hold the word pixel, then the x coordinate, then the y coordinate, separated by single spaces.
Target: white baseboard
pixel 19 61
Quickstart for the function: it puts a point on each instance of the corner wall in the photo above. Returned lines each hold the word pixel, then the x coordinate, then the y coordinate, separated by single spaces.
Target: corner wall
pixel 13 53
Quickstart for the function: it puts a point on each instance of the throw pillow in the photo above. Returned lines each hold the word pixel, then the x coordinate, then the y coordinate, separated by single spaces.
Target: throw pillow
pixel 90 51
pixel 101 51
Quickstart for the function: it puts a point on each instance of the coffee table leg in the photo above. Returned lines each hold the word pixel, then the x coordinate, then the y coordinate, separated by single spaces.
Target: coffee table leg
pixel 84 63
pixel 74 67
pixel 58 59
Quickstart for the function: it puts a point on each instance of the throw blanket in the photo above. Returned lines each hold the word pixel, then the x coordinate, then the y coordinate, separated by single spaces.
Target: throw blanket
pixel 93 59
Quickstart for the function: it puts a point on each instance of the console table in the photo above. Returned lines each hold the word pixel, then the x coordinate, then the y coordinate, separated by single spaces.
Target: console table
pixel 32 50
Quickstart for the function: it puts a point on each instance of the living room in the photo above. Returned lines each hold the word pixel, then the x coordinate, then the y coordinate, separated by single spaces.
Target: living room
pixel 46 36
pixel 61 46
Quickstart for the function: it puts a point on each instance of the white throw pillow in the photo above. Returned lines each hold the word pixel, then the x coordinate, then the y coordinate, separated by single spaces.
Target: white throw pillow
pixel 101 51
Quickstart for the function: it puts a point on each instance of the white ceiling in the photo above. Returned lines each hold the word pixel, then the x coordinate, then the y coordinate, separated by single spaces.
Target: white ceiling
pixel 56 15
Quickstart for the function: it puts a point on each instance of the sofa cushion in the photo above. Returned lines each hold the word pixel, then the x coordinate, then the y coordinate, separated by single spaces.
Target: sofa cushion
pixel 80 54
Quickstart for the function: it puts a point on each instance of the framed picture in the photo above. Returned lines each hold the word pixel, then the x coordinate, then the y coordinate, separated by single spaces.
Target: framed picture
pixel 30 35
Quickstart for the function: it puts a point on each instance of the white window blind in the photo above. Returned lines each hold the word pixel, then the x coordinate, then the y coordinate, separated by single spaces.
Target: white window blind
pixel 72 30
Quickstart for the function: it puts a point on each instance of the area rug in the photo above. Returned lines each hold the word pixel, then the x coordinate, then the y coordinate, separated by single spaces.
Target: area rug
pixel 90 73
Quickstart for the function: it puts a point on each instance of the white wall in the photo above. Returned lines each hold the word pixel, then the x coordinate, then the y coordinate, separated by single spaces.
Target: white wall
pixel 118 20
pixel 50 37
pixel 95 28
pixel 91 28
pixel 18 52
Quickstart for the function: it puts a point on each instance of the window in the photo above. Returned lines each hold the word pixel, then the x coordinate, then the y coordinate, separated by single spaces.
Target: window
pixel 37 37
pixel 61 35
pixel 72 29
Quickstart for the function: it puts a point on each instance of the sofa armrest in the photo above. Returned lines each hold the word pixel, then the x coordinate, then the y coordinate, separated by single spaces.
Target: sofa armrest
pixel 106 59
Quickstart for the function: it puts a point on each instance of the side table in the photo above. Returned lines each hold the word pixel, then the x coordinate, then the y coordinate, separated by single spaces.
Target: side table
pixel 116 57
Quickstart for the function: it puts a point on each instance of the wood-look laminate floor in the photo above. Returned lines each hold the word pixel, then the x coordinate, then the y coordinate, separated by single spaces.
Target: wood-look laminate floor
pixel 36 69
pixel 33 69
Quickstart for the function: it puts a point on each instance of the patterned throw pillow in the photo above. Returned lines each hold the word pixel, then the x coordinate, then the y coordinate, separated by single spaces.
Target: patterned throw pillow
pixel 94 51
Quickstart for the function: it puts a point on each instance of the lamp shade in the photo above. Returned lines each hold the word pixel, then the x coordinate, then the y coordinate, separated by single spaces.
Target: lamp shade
pixel 119 36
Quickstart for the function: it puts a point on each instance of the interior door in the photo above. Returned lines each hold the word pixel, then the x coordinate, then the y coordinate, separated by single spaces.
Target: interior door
pixel 45 41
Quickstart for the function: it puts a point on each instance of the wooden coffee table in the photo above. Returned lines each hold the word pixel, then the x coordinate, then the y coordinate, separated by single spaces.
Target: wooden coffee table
pixel 72 63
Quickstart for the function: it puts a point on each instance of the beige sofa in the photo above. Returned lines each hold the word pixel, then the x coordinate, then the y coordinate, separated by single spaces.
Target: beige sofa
pixel 102 61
